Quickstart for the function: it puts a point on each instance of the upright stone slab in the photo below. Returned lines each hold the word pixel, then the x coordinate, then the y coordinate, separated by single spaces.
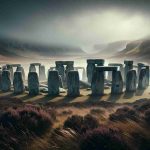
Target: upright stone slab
pixel 90 69
pixel 0 79
pixel 117 82
pixel 19 68
pixel 42 75
pixel 33 83
pixel 131 79
pixel 60 68
pixel 147 75
pixel 60 82
pixel 142 79
pixel 6 81
pixel 70 66
pixel 53 83
pixel 10 68
pixel 73 84
pixel 32 68
pixel 18 83
pixel 97 85
pixel 140 66
pixel 128 67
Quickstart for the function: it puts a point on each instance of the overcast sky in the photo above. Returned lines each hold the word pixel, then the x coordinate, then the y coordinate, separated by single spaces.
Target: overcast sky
pixel 74 22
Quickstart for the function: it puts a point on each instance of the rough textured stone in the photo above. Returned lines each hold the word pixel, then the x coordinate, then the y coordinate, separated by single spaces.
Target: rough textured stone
pixel 131 79
pixel 97 84
pixel 18 83
pixel 73 83
pixel 0 79
pixel 90 71
pixel 53 83
pixel 147 75
pixel 6 81
pixel 142 79
pixel 60 82
pixel 19 68
pixel 32 68
pixel 33 83
pixel 60 68
pixel 69 66
pixel 117 83
pixel 42 75
pixel 128 67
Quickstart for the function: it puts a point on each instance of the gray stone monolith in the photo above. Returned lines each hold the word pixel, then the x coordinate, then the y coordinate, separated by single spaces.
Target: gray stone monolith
pixel 128 67
pixel 117 82
pixel 142 84
pixel 90 70
pixel 53 83
pixel 19 68
pixel 33 83
pixel 147 75
pixel 131 80
pixel 60 82
pixel 73 83
pixel 0 79
pixel 60 68
pixel 42 75
pixel 18 83
pixel 97 84
pixel 32 68
pixel 6 81
pixel 69 66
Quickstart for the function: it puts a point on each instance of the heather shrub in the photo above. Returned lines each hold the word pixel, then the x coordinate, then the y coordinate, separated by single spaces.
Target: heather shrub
pixel 81 124
pixel 97 111
pixel 103 138
pixel 143 107
pixel 32 119
pixel 124 113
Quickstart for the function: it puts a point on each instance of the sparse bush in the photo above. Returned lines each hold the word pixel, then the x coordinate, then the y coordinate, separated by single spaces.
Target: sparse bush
pixel 123 114
pixel 143 107
pixel 103 138
pixel 97 111
pixel 32 119
pixel 81 124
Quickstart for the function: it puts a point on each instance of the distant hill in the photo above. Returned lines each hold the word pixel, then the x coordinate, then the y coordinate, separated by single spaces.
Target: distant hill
pixel 139 50
pixel 110 48
pixel 12 48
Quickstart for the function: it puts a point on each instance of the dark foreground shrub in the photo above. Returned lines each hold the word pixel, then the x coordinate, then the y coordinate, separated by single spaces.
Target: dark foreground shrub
pixel 81 124
pixel 142 107
pixel 31 119
pixel 103 138
pixel 123 114
pixel 147 116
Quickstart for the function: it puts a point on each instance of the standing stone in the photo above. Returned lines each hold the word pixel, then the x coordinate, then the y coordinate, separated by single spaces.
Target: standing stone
pixel 128 67
pixel 147 75
pixel 19 68
pixel 10 68
pixel 97 84
pixel 60 82
pixel 142 79
pixel 60 68
pixel 53 83
pixel 0 79
pixel 18 83
pixel 69 66
pixel 131 79
pixel 90 69
pixel 32 68
pixel 73 83
pixel 33 83
pixel 42 75
pixel 117 82
pixel 140 66
pixel 6 81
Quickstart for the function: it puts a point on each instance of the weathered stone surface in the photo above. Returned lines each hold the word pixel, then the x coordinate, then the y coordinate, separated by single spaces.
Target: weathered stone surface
pixel 117 82
pixel 53 83
pixel 42 75
pixel 0 79
pixel 33 83
pixel 69 66
pixel 19 68
pixel 142 79
pixel 73 83
pixel 140 66
pixel 90 71
pixel 60 82
pixel 6 81
pixel 60 68
pixel 18 83
pixel 131 79
pixel 32 68
pixel 97 84
pixel 128 67
pixel 147 75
